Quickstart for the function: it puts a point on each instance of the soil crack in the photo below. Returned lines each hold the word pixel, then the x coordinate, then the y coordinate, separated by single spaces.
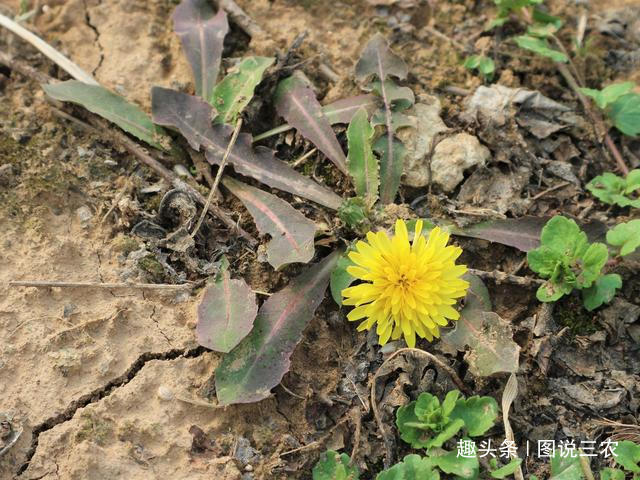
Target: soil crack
pixel 104 391
pixel 87 17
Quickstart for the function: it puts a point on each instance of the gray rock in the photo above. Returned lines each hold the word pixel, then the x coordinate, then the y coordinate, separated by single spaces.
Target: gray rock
pixel 455 154
pixel 426 122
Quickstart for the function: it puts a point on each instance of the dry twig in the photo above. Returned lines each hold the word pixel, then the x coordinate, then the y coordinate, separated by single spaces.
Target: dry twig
pixel 136 286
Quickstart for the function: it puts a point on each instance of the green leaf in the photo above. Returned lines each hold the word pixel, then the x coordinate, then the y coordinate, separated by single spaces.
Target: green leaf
pixel 540 16
pixel 335 466
pixel 340 278
pixel 507 469
pixel 609 94
pixel 611 474
pixel 565 468
pixel 226 313
pixel 361 163
pixel 604 187
pixel 235 91
pixel 625 114
pixel 450 431
pixel 249 372
pixel 550 292
pixel 625 236
pixel 478 413
pixel 484 65
pixel 407 421
pixel 592 262
pixel 108 105
pixel 602 291
pixel 392 153
pixel 412 467
pixel 628 455
pixel 541 47
pixel 353 211
pixel 463 467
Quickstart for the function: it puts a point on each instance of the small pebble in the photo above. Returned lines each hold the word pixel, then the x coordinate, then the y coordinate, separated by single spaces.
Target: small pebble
pixel 84 214
pixel 165 394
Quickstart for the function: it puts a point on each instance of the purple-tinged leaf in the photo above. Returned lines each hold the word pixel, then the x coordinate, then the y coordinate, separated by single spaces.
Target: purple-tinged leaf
pixel 343 110
pixel 249 372
pixel 202 33
pixel 226 313
pixel 522 233
pixel 192 117
pixel 378 59
pixel 298 105
pixel 489 337
pixel 291 232
pixel 340 111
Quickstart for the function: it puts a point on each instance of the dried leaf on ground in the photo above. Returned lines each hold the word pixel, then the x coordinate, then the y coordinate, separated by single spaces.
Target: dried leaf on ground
pixel 489 337
pixel 292 234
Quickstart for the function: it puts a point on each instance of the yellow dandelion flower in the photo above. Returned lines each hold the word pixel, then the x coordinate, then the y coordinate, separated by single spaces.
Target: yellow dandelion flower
pixel 407 288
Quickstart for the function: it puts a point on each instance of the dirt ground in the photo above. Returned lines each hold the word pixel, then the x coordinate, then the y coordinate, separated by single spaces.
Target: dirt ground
pixel 110 384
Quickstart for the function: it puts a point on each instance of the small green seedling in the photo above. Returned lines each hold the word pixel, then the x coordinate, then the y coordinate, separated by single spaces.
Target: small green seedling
pixel 335 466
pixel 506 8
pixel 426 423
pixel 484 65
pixel 625 236
pixel 614 190
pixel 625 453
pixel 620 104
pixel 567 259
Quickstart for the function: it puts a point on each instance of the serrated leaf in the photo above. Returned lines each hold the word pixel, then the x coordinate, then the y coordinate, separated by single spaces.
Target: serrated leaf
pixel 477 413
pixel 225 313
pixel 609 94
pixel 292 234
pixel 392 153
pixel 362 164
pixel 412 467
pixel 508 469
pixel 566 468
pixel 108 105
pixel 335 466
pixel 541 47
pixel 628 455
pixel 625 114
pixel 342 111
pixel 235 91
pixel 297 104
pixel 625 236
pixel 340 278
pixel 399 98
pixel 249 372
pixel 192 117
pixel 463 467
pixel 602 291
pixel 592 262
pixel 489 337
pixel 202 33
pixel 378 59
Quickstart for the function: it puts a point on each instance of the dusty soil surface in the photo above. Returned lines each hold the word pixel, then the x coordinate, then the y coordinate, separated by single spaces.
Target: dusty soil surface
pixel 110 384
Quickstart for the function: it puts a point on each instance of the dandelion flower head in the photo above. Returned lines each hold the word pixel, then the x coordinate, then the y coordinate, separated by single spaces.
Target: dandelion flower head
pixel 407 289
